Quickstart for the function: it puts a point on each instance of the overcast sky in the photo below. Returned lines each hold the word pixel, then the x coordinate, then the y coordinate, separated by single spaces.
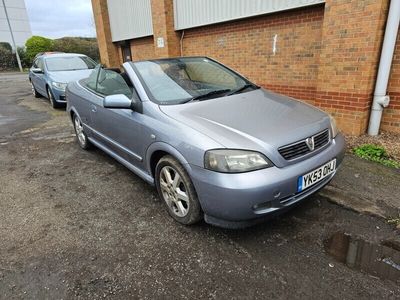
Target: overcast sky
pixel 59 18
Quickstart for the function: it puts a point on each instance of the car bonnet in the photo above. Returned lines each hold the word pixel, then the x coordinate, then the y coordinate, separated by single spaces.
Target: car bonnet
pixel 258 120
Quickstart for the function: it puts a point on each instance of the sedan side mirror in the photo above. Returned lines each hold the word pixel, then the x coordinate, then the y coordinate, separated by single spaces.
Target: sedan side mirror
pixel 37 70
pixel 117 101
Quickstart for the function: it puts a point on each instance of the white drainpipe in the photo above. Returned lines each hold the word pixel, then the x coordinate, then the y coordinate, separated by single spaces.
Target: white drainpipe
pixel 381 100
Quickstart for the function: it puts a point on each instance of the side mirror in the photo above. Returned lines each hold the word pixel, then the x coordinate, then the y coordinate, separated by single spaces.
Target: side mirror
pixel 117 101
pixel 37 70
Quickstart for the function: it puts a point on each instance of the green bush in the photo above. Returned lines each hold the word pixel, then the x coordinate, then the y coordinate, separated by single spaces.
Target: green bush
pixel 37 44
pixel 375 153
pixel 87 46
pixel 6 46
pixel 25 62
pixel 7 59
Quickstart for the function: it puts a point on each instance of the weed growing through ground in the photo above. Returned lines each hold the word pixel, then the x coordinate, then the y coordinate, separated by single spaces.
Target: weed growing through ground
pixel 377 154
pixel 395 221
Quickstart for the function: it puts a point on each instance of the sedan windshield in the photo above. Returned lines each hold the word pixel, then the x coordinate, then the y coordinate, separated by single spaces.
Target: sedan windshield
pixel 180 80
pixel 69 63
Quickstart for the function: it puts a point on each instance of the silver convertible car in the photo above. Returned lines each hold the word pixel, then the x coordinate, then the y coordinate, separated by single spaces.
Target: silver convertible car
pixel 214 144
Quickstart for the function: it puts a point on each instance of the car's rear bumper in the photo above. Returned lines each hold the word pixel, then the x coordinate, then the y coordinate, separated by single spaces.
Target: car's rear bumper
pixel 238 200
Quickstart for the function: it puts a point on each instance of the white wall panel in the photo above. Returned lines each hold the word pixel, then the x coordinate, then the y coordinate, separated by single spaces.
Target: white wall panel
pixel 194 13
pixel 129 19
pixel 19 22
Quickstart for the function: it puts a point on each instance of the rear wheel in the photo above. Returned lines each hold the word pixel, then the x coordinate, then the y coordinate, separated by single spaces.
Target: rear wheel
pixel 53 102
pixel 177 191
pixel 34 92
pixel 80 133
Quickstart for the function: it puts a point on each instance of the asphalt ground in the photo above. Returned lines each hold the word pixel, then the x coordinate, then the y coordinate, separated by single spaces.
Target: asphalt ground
pixel 77 224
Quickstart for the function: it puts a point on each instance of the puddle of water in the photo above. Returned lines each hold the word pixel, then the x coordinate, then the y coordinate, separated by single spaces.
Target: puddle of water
pixel 378 260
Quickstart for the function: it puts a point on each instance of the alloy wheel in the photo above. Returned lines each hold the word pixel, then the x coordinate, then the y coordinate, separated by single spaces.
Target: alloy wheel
pixel 174 191
pixel 33 89
pixel 51 98
pixel 79 131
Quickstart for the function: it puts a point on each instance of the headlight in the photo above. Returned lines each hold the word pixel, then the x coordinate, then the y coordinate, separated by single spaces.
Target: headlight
pixel 235 161
pixel 334 127
pixel 59 85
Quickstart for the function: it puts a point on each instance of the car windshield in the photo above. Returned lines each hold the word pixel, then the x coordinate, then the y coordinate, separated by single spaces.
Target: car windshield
pixel 69 63
pixel 180 80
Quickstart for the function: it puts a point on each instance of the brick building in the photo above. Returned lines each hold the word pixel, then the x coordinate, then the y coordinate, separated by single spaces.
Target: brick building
pixel 323 52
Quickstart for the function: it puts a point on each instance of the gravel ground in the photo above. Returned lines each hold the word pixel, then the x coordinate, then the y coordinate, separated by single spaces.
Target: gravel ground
pixel 390 141
pixel 76 224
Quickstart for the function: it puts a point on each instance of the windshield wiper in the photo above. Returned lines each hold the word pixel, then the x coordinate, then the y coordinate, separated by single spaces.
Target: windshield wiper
pixel 212 93
pixel 242 88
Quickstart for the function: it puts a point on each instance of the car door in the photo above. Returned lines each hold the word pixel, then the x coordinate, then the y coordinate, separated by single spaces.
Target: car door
pixel 37 77
pixel 40 78
pixel 120 130
pixel 87 98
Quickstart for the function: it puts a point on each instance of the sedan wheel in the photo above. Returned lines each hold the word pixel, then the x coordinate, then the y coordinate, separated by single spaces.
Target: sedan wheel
pixel 53 102
pixel 174 191
pixel 177 191
pixel 34 92
pixel 80 133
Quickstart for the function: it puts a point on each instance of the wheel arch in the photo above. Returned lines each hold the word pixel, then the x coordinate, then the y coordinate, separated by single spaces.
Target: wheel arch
pixel 159 149
pixel 73 112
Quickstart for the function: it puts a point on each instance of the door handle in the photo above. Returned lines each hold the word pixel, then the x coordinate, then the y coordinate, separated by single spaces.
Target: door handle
pixel 94 108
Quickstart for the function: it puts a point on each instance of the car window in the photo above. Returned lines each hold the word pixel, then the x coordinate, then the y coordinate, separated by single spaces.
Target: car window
pixel 35 65
pixel 40 64
pixel 210 74
pixel 178 80
pixel 91 81
pixel 162 86
pixel 69 63
pixel 111 83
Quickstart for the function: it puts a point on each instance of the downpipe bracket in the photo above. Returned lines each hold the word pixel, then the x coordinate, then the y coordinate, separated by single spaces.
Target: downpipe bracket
pixel 376 113
pixel 382 100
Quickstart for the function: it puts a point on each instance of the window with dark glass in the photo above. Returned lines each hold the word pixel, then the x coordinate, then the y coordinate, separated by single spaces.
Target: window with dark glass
pixel 112 83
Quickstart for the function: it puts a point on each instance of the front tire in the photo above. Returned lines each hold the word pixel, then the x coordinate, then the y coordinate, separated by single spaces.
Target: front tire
pixel 83 140
pixel 53 102
pixel 176 190
pixel 34 91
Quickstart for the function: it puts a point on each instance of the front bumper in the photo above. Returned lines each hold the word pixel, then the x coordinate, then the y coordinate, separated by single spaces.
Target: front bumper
pixel 59 95
pixel 235 200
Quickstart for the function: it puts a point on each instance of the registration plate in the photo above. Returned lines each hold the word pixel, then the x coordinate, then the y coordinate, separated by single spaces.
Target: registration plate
pixel 316 175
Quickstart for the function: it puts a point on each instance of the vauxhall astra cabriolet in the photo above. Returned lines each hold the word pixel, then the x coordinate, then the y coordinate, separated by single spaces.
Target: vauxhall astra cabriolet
pixel 215 145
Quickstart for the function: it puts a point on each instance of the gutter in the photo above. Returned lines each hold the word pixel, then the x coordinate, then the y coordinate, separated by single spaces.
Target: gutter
pixel 381 99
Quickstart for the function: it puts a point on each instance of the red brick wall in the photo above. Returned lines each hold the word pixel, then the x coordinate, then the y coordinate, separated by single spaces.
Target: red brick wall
pixel 246 46
pixel 326 54
pixel 163 27
pixel 108 50
pixel 351 43
pixel 142 48
pixel 322 57
pixel 391 114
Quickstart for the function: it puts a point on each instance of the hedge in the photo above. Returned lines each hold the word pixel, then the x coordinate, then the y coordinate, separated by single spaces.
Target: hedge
pixel 36 44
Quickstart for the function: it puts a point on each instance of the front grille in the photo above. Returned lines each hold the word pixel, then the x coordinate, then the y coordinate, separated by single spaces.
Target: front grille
pixel 301 148
pixel 62 97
